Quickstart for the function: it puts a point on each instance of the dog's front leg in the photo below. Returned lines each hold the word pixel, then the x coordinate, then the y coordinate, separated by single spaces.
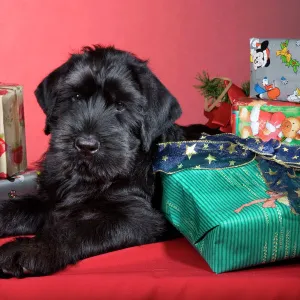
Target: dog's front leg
pixel 70 241
pixel 22 216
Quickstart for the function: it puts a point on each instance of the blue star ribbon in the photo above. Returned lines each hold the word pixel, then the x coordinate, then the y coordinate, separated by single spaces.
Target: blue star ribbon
pixel 278 163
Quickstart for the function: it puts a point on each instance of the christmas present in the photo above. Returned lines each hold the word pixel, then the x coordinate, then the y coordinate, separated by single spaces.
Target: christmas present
pixel 12 131
pixel 237 201
pixel 275 69
pixel 218 92
pixel 267 120
pixel 18 186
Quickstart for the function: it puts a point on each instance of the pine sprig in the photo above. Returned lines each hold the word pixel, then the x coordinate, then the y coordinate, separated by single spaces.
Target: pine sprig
pixel 213 88
pixel 246 88
pixel 210 88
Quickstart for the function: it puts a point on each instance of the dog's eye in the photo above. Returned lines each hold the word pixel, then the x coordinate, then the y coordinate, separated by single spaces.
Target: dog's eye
pixel 77 97
pixel 120 106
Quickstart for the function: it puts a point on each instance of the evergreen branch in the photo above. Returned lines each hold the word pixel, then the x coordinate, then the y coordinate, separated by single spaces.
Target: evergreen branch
pixel 210 88
pixel 246 88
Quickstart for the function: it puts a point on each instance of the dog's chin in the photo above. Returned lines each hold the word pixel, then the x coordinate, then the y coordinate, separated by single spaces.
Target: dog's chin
pixel 96 169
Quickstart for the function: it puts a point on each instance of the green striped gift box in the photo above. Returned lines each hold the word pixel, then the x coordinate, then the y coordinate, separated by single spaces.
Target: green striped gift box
pixel 229 217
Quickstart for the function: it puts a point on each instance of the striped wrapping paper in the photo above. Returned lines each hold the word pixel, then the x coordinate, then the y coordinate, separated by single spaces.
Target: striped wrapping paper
pixel 235 200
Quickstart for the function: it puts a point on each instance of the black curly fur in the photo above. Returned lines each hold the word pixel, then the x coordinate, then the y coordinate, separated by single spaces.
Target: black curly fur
pixel 90 204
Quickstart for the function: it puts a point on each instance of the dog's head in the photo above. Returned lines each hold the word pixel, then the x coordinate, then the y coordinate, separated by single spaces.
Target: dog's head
pixel 102 107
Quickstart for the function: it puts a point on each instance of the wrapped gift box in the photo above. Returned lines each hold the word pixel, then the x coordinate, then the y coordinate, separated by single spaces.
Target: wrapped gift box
pixel 266 120
pixel 275 69
pixel 23 184
pixel 12 131
pixel 236 208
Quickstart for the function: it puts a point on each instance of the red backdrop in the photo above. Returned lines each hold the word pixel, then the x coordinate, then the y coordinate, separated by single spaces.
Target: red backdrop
pixel 181 38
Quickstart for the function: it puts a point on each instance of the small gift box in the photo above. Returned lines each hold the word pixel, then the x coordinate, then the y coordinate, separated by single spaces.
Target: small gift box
pixel 218 94
pixel 18 186
pixel 266 120
pixel 275 69
pixel 12 131
pixel 237 201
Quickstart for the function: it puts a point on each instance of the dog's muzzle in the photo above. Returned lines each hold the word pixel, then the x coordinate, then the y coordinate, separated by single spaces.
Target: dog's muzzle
pixel 87 145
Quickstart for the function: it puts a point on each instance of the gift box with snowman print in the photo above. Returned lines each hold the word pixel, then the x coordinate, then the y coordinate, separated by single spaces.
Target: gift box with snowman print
pixel 275 69
pixel 266 120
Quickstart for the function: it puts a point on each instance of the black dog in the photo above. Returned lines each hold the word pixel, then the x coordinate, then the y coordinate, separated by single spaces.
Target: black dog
pixel 105 111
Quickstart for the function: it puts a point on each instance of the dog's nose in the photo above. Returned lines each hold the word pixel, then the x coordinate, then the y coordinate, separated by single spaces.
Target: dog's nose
pixel 88 145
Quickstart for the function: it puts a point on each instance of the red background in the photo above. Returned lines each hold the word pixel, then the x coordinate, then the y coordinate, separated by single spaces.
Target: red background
pixel 181 38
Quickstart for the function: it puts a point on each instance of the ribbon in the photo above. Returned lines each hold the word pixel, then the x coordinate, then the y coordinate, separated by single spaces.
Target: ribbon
pixel 218 112
pixel 279 163
pixel 221 117
pixel 211 103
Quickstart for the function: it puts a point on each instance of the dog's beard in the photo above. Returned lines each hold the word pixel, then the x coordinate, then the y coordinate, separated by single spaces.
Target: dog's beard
pixel 116 156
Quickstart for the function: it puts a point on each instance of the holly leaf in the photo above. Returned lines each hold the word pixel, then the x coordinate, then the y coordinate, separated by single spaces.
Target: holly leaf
pixel 283 58
pixel 295 69
pixel 284 44
pixel 294 64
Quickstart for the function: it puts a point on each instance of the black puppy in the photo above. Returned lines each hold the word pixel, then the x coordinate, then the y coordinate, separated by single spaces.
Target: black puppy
pixel 105 111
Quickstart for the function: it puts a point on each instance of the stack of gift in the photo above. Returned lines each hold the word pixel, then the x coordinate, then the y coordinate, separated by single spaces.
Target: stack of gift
pixel 219 93
pixel 273 109
pixel 236 196
pixel 15 179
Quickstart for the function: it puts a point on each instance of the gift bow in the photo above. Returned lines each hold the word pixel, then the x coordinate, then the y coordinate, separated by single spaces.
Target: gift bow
pixel 279 163
pixel 211 103
pixel 217 111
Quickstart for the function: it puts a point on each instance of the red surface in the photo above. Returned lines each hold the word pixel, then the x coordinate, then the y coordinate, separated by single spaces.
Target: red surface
pixel 181 38
pixel 171 270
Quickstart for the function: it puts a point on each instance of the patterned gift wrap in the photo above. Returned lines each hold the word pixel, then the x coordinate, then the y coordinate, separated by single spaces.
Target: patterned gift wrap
pixel 275 69
pixel 23 184
pixel 266 120
pixel 12 131
pixel 237 201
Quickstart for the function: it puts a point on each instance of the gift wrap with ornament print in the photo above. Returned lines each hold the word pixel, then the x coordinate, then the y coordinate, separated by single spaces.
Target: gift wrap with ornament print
pixel 266 120
pixel 275 69
pixel 237 201
pixel 12 131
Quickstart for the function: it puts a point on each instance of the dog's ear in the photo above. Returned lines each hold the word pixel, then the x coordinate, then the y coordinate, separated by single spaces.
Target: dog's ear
pixel 45 100
pixel 162 109
pixel 45 94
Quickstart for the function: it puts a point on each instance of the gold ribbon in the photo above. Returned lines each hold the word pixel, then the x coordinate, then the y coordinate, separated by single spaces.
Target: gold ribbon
pixel 211 103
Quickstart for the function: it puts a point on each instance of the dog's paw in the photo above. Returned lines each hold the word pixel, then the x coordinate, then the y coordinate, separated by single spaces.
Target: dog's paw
pixel 25 257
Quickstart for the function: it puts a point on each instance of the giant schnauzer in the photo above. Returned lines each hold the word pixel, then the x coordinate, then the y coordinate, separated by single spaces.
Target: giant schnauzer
pixel 105 111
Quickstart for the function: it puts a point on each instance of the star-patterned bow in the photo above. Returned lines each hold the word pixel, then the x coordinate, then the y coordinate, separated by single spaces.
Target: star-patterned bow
pixel 279 164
